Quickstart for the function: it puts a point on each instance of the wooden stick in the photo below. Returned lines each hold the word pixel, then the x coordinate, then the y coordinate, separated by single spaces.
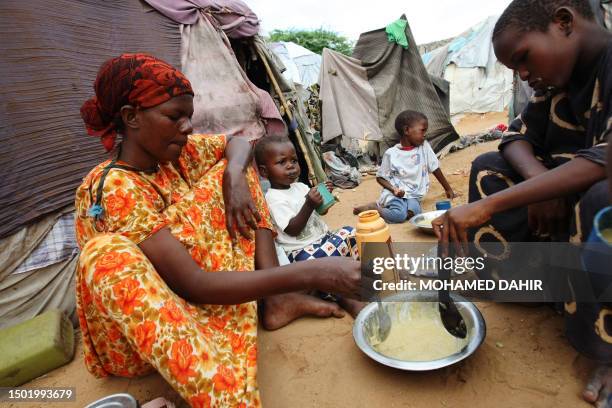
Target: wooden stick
pixel 311 175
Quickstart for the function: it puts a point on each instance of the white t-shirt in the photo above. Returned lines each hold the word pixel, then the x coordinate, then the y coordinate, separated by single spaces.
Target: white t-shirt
pixel 286 204
pixel 408 171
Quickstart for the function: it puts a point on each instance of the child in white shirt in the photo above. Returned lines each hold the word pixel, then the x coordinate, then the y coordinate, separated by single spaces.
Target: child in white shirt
pixel 404 172
pixel 302 233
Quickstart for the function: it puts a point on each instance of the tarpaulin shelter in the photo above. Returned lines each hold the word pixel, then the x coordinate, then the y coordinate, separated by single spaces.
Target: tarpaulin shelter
pixel 479 83
pixel 362 95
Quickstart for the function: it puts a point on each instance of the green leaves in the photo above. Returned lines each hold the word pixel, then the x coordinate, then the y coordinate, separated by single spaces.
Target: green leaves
pixel 314 40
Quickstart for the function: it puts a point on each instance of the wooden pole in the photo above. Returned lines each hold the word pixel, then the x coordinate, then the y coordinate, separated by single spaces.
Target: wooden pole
pixel 311 175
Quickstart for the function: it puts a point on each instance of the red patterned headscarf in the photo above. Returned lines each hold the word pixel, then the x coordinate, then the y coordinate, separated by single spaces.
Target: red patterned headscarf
pixel 130 79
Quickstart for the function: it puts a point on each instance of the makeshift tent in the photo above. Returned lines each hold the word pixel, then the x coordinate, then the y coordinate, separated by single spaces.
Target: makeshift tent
pixel 479 83
pixel 362 95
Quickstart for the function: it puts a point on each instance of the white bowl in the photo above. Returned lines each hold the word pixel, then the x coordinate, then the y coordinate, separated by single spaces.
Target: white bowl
pixel 423 220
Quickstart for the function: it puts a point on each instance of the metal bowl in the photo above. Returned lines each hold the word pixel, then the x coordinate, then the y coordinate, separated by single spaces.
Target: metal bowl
pixel 423 220
pixel 366 323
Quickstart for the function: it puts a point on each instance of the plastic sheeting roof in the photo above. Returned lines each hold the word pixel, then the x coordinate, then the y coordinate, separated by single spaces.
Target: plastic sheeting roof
pixel 478 81
pixel 469 50
pixel 476 50
pixel 302 65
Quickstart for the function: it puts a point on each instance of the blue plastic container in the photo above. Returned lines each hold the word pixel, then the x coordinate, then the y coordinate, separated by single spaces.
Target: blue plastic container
pixel 443 205
pixel 597 251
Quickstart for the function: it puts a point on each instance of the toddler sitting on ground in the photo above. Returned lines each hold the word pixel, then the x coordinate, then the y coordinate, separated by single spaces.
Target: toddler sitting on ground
pixel 302 233
pixel 404 171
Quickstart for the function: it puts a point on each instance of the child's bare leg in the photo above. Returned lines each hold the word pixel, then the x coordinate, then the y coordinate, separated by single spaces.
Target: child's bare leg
pixel 351 306
pixel 599 388
pixel 280 310
pixel 366 207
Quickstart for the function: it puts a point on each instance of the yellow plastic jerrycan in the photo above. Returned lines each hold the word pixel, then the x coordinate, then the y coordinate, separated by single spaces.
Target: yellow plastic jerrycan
pixel 371 228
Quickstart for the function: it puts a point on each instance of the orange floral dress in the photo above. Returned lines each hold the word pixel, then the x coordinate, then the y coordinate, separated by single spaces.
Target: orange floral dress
pixel 132 323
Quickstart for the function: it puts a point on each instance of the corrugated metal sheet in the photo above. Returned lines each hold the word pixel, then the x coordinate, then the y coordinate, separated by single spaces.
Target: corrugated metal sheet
pixel 51 51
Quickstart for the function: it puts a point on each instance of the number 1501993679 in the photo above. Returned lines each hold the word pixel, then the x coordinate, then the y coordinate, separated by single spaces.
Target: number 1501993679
pixel 10 394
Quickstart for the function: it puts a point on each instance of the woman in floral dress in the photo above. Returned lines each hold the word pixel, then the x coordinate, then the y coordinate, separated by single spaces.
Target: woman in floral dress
pixel 152 221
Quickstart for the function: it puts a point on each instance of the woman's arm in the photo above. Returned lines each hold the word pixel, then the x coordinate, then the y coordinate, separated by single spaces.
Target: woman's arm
pixel 240 210
pixel 180 272
pixel 447 188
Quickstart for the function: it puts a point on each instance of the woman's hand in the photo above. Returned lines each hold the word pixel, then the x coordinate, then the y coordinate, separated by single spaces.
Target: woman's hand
pixel 450 194
pixel 330 186
pixel 451 227
pixel 337 275
pixel 399 193
pixel 240 210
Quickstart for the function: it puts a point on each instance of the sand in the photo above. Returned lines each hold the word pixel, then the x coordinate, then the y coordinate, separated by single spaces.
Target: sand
pixel 524 362
pixel 473 123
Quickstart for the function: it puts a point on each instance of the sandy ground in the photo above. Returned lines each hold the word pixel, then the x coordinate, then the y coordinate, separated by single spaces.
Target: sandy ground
pixel 471 123
pixel 524 362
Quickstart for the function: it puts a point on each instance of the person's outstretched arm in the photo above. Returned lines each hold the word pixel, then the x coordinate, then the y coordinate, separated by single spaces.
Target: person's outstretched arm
pixel 181 273
pixel 575 176
pixel 447 188
pixel 521 157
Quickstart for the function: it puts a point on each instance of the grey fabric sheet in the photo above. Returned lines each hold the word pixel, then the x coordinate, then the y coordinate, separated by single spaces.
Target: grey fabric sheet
pixel 437 63
pixel 442 87
pixel 27 294
pixel 401 82
pixel 51 52
pixel 58 245
pixel 348 100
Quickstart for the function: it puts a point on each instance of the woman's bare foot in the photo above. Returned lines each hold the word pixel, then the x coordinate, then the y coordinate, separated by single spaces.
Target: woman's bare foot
pixel 280 310
pixel 352 307
pixel 362 208
pixel 599 389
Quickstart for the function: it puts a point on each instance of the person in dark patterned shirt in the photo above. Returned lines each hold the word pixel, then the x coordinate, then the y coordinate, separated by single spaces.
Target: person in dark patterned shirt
pixel 547 181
